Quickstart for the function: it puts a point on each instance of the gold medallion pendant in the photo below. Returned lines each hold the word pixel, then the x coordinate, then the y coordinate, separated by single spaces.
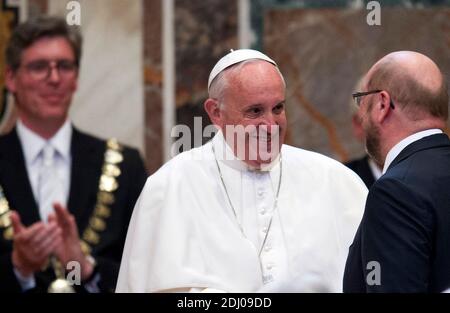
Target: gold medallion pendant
pixel 60 285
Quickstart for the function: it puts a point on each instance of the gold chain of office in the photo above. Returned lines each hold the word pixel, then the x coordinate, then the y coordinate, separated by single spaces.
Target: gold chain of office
pixel 105 199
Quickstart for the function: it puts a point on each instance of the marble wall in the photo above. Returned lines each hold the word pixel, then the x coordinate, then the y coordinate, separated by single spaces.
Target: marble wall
pixel 324 52
pixel 205 31
pixel 110 97
pixel 152 29
pixel 9 16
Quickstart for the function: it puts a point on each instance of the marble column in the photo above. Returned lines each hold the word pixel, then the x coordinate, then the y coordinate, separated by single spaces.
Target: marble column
pixel 153 83
pixel 205 31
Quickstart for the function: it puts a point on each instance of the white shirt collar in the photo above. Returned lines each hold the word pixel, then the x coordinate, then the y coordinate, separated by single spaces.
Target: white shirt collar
pixel 395 150
pixel 33 144
pixel 376 171
pixel 224 154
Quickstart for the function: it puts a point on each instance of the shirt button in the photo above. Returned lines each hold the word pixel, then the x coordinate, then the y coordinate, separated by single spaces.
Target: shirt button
pixel 267 248
pixel 265 229
pixel 269 266
pixel 260 192
pixel 263 211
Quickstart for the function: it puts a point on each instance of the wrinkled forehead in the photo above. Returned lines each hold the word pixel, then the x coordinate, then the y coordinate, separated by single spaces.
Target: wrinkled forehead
pixel 256 82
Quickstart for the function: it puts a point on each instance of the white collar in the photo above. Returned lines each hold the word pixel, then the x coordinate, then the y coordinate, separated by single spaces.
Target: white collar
pixel 224 154
pixel 395 150
pixel 376 171
pixel 32 143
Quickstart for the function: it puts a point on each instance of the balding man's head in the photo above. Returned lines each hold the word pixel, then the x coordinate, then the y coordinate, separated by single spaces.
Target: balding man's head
pixel 413 81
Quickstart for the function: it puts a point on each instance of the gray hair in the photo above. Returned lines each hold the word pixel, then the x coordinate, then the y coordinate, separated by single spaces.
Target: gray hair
pixel 35 29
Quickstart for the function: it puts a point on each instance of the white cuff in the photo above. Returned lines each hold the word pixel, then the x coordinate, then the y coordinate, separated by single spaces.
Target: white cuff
pixel 26 283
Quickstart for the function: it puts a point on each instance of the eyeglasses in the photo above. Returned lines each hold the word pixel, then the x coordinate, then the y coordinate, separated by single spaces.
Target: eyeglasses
pixel 357 97
pixel 41 69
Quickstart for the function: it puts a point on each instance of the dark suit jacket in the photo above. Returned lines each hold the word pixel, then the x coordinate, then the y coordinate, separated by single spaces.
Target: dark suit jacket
pixel 87 160
pixel 406 224
pixel 362 168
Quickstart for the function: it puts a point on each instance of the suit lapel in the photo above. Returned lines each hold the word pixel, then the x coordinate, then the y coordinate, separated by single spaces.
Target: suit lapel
pixel 14 179
pixel 87 159
pixel 429 142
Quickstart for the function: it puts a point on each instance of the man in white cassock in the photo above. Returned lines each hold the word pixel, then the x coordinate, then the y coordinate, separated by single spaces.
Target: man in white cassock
pixel 244 212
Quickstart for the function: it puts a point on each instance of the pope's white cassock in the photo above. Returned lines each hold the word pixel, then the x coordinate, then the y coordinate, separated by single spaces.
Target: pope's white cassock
pixel 184 234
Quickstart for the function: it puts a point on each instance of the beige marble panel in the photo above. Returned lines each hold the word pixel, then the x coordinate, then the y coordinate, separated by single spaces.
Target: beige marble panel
pixel 110 97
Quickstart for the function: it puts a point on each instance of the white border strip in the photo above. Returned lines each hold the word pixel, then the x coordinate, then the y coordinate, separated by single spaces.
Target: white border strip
pixel 168 60
pixel 23 10
pixel 244 27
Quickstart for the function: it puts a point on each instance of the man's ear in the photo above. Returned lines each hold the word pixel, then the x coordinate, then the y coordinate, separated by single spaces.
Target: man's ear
pixel 10 79
pixel 383 105
pixel 212 107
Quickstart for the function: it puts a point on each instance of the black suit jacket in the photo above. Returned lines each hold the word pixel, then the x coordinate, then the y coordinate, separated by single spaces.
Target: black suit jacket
pixel 406 224
pixel 87 160
pixel 362 168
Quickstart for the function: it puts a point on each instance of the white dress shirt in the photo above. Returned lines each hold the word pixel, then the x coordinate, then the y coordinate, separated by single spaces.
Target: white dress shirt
pixel 395 150
pixel 32 145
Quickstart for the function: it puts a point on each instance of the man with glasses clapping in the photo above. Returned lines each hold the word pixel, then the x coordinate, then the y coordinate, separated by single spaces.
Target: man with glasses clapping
pixel 65 197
